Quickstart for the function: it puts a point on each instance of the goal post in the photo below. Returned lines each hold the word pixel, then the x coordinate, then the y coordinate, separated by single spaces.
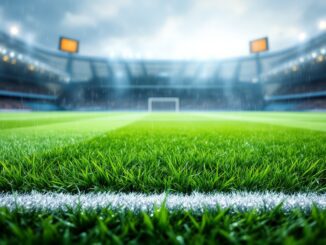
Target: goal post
pixel 153 100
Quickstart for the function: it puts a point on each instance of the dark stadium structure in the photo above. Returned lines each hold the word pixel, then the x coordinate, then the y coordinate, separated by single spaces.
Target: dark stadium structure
pixel 33 78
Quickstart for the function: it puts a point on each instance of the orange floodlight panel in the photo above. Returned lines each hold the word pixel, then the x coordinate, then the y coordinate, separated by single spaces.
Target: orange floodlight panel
pixel 68 45
pixel 259 45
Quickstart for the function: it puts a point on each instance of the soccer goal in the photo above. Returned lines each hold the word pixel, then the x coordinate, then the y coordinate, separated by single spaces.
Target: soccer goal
pixel 163 103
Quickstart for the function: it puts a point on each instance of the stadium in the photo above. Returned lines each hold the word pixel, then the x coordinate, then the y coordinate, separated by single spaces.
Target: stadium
pixel 288 80
pixel 128 149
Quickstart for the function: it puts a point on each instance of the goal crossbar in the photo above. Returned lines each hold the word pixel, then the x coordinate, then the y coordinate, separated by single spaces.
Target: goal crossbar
pixel 174 100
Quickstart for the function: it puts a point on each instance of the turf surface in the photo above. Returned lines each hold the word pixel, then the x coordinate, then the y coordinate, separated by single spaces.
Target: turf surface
pixel 180 153
pixel 206 152
pixel 108 227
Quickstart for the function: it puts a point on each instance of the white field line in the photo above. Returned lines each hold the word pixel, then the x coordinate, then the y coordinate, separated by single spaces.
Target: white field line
pixel 196 202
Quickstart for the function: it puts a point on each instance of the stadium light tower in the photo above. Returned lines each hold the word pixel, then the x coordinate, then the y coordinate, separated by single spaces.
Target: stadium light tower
pixel 256 47
pixel 14 30
pixel 70 46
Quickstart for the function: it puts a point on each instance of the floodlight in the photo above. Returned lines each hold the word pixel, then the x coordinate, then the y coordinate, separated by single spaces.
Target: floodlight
pixel 31 67
pixel 295 68
pixel 322 25
pixel 259 45
pixel 320 59
pixel 14 30
pixel 5 58
pixel 302 36
pixel 68 45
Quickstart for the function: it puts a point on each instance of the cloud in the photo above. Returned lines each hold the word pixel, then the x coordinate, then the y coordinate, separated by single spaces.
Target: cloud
pixel 174 28
pixel 92 13
pixel 75 20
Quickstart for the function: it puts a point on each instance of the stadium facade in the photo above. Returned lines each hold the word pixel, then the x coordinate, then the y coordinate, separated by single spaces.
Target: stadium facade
pixel 32 78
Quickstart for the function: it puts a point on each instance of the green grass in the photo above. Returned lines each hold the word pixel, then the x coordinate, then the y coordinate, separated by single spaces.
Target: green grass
pixel 162 227
pixel 181 153
pixel 148 153
pixel 31 133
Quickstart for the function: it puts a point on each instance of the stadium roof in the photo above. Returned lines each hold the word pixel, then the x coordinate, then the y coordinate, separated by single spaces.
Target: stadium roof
pixel 84 68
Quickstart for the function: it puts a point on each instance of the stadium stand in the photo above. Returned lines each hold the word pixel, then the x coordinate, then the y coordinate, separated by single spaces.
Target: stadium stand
pixel 39 79
pixel 12 104
pixel 299 81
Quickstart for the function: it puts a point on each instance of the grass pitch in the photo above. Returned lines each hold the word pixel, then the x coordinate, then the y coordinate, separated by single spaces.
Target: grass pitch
pixel 153 153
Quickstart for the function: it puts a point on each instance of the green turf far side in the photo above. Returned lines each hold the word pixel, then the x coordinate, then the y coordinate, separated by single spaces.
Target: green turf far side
pixel 179 153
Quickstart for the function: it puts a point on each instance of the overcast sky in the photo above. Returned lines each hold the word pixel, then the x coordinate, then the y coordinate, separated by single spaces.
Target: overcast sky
pixel 163 28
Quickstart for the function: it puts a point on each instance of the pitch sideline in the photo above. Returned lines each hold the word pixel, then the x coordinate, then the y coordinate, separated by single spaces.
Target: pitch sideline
pixel 135 202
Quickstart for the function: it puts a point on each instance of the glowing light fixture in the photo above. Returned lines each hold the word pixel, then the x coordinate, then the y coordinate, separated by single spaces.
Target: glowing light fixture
pixel 68 45
pixel 5 58
pixel 14 30
pixel 31 67
pixel 295 68
pixel 302 36
pixel 259 45
pixel 12 54
pixel 322 25
pixel 320 59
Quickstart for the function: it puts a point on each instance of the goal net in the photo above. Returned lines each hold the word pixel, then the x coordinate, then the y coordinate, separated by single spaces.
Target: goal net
pixel 163 104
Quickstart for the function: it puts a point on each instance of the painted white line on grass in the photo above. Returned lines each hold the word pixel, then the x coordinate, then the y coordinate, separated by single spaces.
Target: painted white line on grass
pixel 197 202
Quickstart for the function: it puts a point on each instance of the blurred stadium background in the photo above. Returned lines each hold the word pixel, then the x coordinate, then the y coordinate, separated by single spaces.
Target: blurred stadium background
pixel 33 78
